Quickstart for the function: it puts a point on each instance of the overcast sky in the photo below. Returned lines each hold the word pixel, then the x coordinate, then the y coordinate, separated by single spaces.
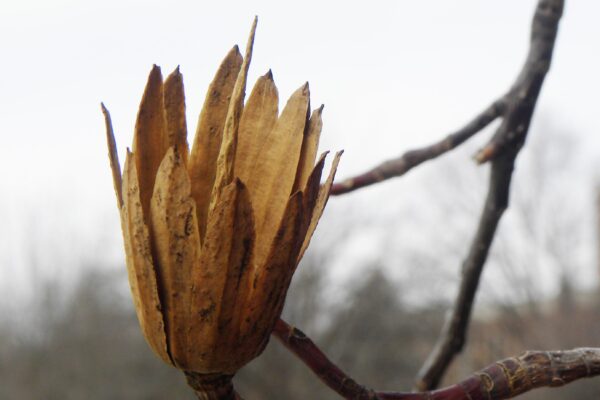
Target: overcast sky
pixel 392 75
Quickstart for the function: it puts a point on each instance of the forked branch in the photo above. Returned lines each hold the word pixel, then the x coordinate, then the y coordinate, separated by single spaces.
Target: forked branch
pixel 514 108
pixel 401 165
pixel 502 149
pixel 504 379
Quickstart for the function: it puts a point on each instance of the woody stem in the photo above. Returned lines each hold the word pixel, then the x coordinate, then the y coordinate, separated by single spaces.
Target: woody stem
pixel 212 386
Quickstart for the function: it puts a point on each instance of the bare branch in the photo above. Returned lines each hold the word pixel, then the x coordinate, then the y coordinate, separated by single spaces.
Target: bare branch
pixel 526 89
pixel 504 379
pixel 298 343
pixel 502 150
pixel 407 161
pixel 516 108
pixel 212 386
pixel 453 334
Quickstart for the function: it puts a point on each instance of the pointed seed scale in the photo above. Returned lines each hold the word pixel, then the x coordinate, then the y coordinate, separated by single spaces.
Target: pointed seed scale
pixel 310 144
pixel 113 156
pixel 239 273
pixel 149 140
pixel 226 159
pixel 274 172
pixel 176 245
pixel 311 192
pixel 258 118
pixel 321 202
pixel 222 244
pixel 273 277
pixel 140 268
pixel 207 142
pixel 174 99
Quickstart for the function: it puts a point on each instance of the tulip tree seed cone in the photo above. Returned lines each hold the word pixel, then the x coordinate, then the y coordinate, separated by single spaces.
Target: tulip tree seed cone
pixel 213 235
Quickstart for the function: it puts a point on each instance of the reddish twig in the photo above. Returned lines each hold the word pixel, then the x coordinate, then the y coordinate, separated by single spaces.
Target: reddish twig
pixel 515 109
pixel 301 345
pixel 502 150
pixel 504 379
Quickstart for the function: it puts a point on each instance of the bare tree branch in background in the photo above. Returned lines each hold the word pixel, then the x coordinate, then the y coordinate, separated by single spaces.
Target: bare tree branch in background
pixel 502 149
pixel 453 336
pixel 401 165
pixel 515 108
pixel 504 379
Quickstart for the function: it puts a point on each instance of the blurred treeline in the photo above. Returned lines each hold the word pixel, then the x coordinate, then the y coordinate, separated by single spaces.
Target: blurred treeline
pixel 92 347
pixel 378 320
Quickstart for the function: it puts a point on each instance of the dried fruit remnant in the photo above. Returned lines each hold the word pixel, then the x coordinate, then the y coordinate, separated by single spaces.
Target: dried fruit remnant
pixel 213 236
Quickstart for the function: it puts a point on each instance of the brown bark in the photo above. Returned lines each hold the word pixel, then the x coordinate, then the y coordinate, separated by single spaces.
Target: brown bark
pixel 504 379
pixel 407 161
pixel 502 150
pixel 302 346
pixel 212 386
pixel 514 108
pixel 514 376
pixel 454 332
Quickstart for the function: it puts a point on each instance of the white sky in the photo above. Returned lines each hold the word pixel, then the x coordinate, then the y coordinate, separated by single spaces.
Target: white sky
pixel 392 75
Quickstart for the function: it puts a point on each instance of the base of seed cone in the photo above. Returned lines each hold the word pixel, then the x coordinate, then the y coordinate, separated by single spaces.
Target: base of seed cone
pixel 212 386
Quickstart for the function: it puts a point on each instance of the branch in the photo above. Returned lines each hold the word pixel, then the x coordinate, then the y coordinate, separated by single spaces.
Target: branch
pixel 453 336
pixel 502 149
pixel 514 376
pixel 212 386
pixel 516 108
pixel 298 343
pixel 401 165
pixel 526 89
pixel 504 379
